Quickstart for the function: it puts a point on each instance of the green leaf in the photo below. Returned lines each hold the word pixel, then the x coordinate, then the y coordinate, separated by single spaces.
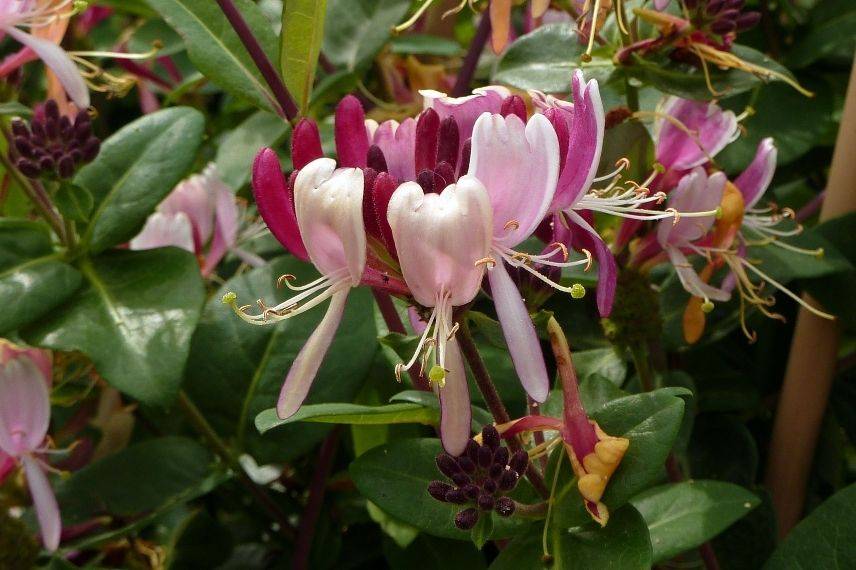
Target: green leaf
pixel 216 50
pixel 33 278
pixel 395 477
pixel 628 140
pixel 603 362
pixel 15 109
pixel 481 417
pixel 73 202
pixel 164 471
pixel 432 553
pixel 354 414
pixel 681 516
pixel 136 169
pixel 824 539
pixel 545 59
pixel 133 317
pixel 651 422
pixel 688 81
pixel 238 149
pixel 356 30
pixel 300 46
pixel 235 370
pixel 424 44
pixel 827 38
pixel 480 533
pixel 621 544
pixel 402 533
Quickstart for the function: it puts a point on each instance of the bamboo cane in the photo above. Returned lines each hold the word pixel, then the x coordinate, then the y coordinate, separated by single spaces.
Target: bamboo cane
pixel 812 359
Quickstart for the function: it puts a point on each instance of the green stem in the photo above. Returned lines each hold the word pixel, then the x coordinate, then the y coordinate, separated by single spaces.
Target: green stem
pixel 647 377
pixel 218 446
pixel 38 196
pixel 536 511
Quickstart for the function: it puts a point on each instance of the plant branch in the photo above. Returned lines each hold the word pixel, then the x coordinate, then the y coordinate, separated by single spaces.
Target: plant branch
pixel 204 429
pixel 317 488
pixel 38 196
pixel 471 60
pixel 492 398
pixel 260 58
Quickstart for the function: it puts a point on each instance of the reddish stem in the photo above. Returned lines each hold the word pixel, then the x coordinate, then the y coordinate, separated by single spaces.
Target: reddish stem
pixel 471 60
pixel 260 58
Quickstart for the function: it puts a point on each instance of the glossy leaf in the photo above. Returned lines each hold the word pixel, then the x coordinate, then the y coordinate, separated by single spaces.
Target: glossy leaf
pixel 545 59
pixel 235 370
pixel 300 46
pixel 603 362
pixel 215 48
pixel 825 38
pixel 422 44
pixel 620 545
pixel 133 317
pixel 163 471
pixel 681 516
pixel 32 276
pixel 73 202
pixel 136 169
pixel 395 477
pixel 238 148
pixel 356 30
pixel 432 553
pixel 355 414
pixel 688 81
pixel 824 539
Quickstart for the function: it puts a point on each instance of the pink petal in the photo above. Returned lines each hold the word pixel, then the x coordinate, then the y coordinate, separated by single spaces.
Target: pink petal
pixel 352 141
pixel 677 149
pixel 398 143
pixel 196 197
pixel 696 192
pixel 305 367
pixel 44 500
pixel 519 333
pixel 439 238
pixel 455 410
pixel 467 109
pixel 305 144
pixel 275 202
pixel 690 279
pixel 164 230
pixel 585 145
pixel 753 182
pixel 59 62
pixel 661 4
pixel 607 267
pixel 518 164
pixel 329 206
pixel 14 61
pixel 24 407
pixel 226 223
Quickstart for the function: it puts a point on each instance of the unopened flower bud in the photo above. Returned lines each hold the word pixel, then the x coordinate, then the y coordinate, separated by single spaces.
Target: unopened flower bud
pixel 489 485
pixel 447 464
pixel 460 479
pixel 500 456
pixel 485 502
pixel 438 490
pixel 504 506
pixel 490 437
pixel 456 496
pixel 471 491
pixel 747 20
pixel 508 480
pixel 466 519
pixel 519 462
pixel 485 457
pixel 65 167
pixel 467 464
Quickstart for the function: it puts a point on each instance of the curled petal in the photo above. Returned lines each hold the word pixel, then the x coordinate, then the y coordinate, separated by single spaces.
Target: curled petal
pixel 329 206
pixel 163 230
pixel 753 182
pixel 691 281
pixel 305 367
pixel 519 334
pixel 226 221
pixel 398 144
pixel 465 110
pixel 59 62
pixel 696 192
pixel 519 165
pixel 24 407
pixel 699 131
pixel 44 500
pixel 455 410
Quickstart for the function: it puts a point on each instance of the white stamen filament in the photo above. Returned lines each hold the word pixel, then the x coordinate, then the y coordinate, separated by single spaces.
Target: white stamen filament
pixel 517 262
pixel 437 333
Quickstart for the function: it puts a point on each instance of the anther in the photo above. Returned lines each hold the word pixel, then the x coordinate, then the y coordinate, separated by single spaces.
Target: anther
pixel 452 332
pixel 563 247
pixel 578 291
pixel 489 261
pixel 229 298
pixel 676 214
pixel 437 375
pixel 512 225
pixel 707 306
pixel 589 258
pixel 284 279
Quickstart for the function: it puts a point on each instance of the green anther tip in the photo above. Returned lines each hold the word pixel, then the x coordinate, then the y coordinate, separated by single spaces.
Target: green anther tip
pixel 707 306
pixel 718 212
pixel 229 298
pixel 437 375
pixel 659 168
pixel 820 253
pixel 578 291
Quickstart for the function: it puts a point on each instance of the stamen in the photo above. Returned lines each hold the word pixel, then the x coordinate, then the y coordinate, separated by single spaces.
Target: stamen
pixel 621 164
pixel 786 291
pixel 489 261
pixel 512 225
pixel 413 19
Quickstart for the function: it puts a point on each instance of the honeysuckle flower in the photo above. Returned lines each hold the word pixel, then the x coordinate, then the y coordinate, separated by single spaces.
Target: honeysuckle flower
pixel 328 208
pixel 201 216
pixel 594 455
pixel 467 109
pixel 39 17
pixel 24 420
pixel 518 164
pixel 443 241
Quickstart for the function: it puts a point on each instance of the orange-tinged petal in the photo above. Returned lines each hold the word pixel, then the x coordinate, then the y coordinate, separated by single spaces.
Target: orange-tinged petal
pixel 500 23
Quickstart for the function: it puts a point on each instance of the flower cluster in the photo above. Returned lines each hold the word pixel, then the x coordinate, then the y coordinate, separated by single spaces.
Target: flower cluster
pixel 53 145
pixel 481 477
pixel 721 16
pixel 426 208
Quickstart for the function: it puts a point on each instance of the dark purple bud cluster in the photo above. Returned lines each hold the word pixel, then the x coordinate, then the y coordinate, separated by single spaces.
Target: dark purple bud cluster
pixel 480 479
pixel 53 145
pixel 722 16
